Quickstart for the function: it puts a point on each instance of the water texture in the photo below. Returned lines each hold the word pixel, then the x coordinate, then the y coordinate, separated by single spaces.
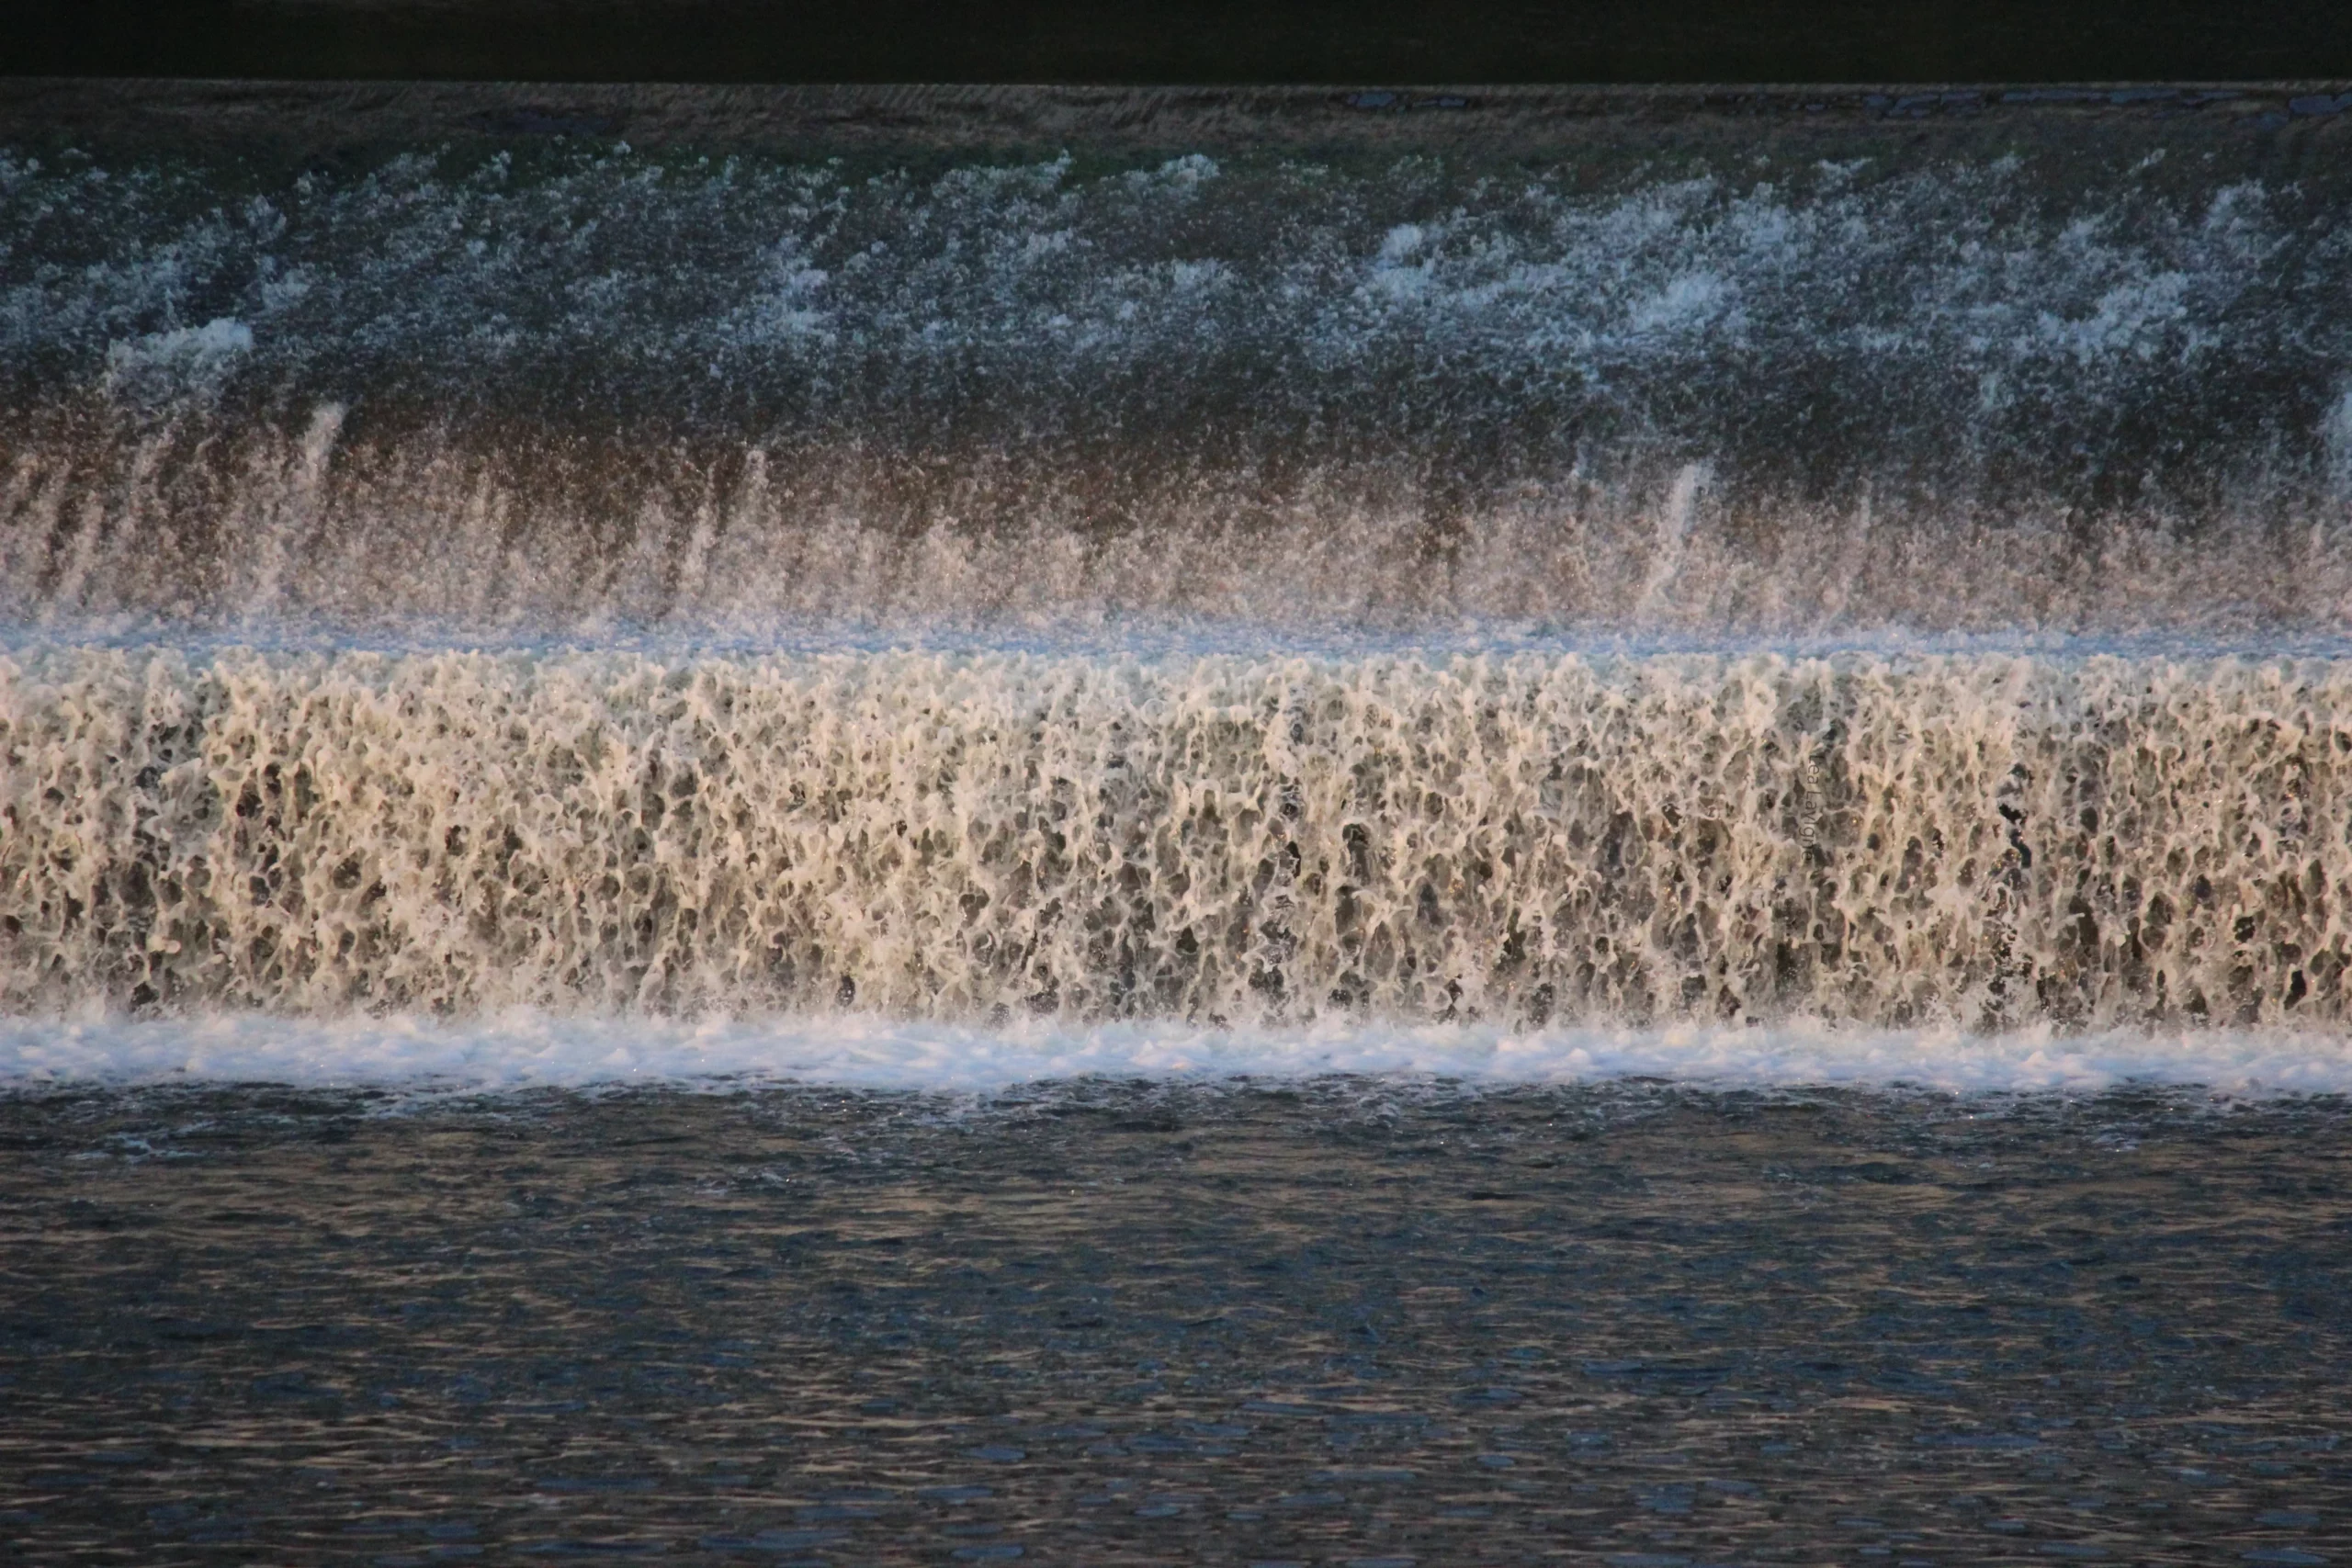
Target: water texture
pixel 1622 1325
pixel 1710 388
pixel 1880 569
pixel 1391 833
pixel 1973 842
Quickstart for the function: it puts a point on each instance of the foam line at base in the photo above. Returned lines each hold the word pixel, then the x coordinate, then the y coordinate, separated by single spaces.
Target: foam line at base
pixel 523 1049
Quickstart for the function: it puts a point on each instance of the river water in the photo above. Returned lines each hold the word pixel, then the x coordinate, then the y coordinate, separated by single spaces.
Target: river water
pixel 1321 1321
pixel 1381 824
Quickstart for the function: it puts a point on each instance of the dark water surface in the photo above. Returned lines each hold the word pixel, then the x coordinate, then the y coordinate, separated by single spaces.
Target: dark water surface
pixel 1183 41
pixel 1332 1323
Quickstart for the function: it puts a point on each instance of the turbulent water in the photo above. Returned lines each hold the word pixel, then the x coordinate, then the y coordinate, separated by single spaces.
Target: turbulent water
pixel 1792 583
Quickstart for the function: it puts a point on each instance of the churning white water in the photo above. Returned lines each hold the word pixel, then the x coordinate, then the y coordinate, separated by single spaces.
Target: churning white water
pixel 606 614
pixel 528 1049
pixel 1724 390
pixel 1957 842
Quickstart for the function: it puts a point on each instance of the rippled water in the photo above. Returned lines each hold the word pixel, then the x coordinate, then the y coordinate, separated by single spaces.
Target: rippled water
pixel 1121 1324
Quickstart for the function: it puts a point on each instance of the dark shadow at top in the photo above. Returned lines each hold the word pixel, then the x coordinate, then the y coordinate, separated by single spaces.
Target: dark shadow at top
pixel 1142 41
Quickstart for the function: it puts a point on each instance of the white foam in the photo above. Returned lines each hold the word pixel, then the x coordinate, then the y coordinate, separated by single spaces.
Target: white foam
pixel 1533 838
pixel 182 359
pixel 528 1049
pixel 1307 394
